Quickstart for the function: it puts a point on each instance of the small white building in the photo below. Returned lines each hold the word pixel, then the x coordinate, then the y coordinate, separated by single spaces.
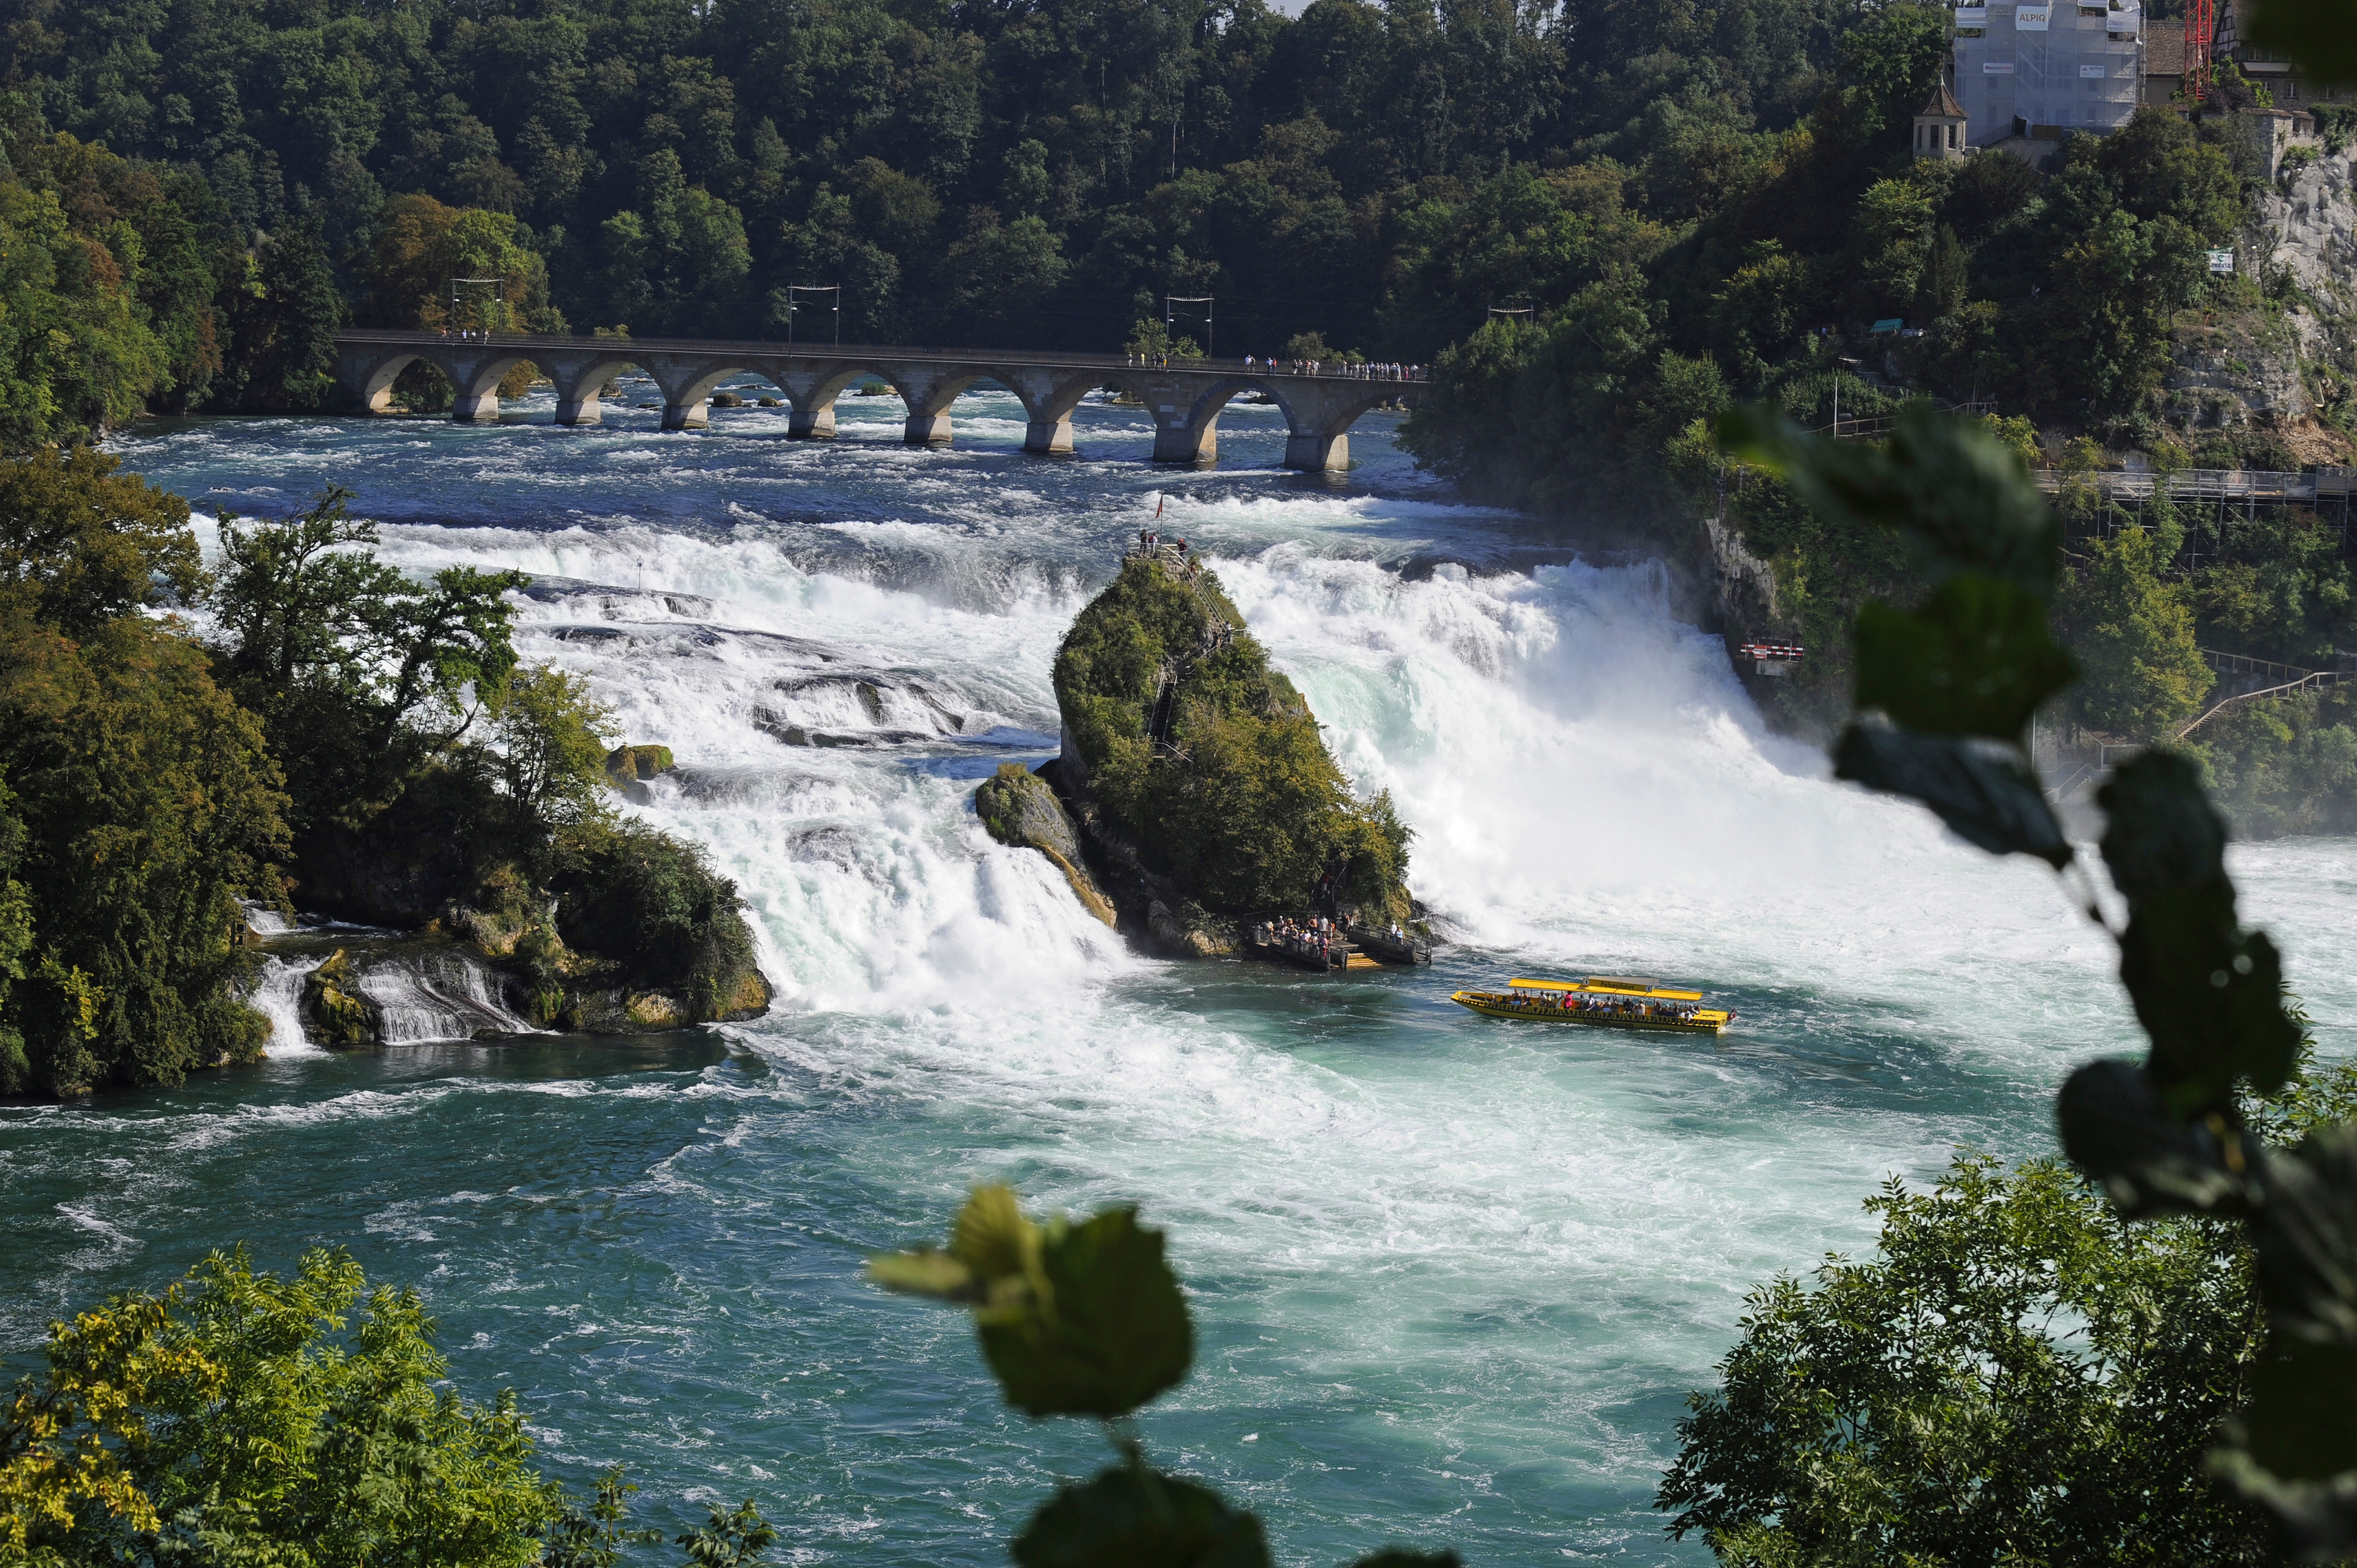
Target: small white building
pixel 2044 71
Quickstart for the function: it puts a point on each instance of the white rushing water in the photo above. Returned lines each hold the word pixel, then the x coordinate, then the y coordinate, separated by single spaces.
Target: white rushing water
pixel 423 997
pixel 278 996
pixel 1453 1277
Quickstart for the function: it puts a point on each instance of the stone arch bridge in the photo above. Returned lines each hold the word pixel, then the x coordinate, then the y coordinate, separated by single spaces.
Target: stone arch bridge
pixel 1185 400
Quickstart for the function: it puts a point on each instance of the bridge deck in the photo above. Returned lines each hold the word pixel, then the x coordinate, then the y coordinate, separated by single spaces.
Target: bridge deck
pixel 962 358
pixel 1183 397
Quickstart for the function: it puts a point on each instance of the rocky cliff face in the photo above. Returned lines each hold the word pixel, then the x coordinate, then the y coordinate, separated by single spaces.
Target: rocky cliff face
pixel 1020 808
pixel 2275 384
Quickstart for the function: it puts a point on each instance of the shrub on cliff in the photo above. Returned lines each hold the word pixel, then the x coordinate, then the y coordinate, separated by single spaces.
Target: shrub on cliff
pixel 1210 759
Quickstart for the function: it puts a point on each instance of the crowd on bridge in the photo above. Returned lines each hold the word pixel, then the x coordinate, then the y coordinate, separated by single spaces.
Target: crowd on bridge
pixel 1349 370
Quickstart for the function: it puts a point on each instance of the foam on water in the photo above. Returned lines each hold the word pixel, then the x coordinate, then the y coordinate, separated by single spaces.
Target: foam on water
pixel 1454 1276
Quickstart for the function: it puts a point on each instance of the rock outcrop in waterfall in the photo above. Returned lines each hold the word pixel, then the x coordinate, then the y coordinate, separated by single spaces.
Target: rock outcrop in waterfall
pixel 1193 783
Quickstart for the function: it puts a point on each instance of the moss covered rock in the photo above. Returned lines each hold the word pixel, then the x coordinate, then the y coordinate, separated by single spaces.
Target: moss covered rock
pixel 334 1011
pixel 1182 743
pixel 625 764
pixel 1021 811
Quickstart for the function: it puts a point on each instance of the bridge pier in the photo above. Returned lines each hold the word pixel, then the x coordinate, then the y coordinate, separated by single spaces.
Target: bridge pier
pixel 687 416
pixel 1317 454
pixel 474 408
pixel 928 429
pixel 1049 437
pixel 588 410
pixel 811 424
pixel 1175 441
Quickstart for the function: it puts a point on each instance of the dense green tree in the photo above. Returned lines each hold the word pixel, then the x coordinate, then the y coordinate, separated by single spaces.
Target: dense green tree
pixel 240 1417
pixel 144 805
pixel 2017 1374
pixel 283 320
pixel 362 677
pixel 2131 629
pixel 423 247
pixel 82 545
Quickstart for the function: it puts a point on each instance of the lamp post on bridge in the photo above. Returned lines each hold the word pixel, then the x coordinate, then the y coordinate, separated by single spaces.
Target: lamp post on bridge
pixel 1202 300
pixel 498 294
pixel 800 288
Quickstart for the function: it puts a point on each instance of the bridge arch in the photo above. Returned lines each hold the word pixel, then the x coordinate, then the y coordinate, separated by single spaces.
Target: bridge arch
pixel 1049 397
pixel 1319 418
pixel 1190 433
pixel 474 374
pixel 581 383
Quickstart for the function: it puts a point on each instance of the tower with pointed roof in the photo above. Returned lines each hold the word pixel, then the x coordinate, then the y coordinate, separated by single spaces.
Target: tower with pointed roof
pixel 1940 127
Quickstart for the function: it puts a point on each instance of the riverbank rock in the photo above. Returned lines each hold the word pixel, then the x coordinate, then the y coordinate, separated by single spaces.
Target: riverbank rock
pixel 1020 810
pixel 1194 777
pixel 334 1011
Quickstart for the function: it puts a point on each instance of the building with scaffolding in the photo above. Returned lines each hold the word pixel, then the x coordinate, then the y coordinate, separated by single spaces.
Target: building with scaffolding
pixel 2041 72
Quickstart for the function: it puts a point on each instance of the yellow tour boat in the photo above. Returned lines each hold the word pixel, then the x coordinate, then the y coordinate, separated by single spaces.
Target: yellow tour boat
pixel 1604 1001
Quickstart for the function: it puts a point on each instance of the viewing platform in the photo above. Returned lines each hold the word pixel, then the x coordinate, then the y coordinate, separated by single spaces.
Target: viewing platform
pixel 1185 397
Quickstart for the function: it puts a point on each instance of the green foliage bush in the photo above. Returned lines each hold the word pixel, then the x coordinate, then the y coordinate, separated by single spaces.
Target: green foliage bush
pixel 1239 799
pixel 240 1417
pixel 655 905
pixel 237 1417
pixel 143 805
pixel 2017 1374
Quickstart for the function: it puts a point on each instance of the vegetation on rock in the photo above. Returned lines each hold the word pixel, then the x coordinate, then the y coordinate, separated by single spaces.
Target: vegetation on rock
pixel 333 1006
pixel 1210 761
pixel 363 742
pixel 433 776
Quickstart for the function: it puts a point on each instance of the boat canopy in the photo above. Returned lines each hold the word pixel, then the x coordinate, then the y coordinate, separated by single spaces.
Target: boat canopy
pixel 1608 985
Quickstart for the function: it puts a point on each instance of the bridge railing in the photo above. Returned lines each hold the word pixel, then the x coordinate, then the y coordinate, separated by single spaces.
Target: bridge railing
pixel 2215 484
pixel 525 342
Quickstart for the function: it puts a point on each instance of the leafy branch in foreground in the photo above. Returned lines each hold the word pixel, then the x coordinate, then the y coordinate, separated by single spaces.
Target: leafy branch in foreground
pixel 1087 1319
pixel 240 1417
pixel 1944 693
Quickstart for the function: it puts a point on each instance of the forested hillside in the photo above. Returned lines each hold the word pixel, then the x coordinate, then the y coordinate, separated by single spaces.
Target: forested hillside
pixel 1376 175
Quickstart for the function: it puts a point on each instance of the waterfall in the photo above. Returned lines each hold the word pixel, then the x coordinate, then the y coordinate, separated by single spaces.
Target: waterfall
pixel 436 995
pixel 278 996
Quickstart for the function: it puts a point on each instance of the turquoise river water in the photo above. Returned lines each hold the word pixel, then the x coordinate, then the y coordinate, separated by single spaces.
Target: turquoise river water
pixel 1453 1278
